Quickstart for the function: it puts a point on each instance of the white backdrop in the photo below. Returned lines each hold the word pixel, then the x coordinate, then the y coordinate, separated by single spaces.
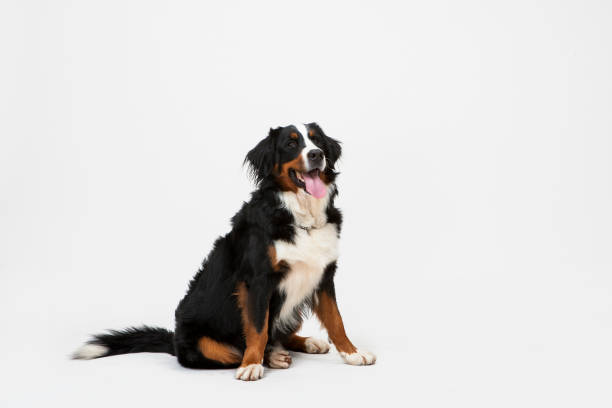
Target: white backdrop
pixel 476 186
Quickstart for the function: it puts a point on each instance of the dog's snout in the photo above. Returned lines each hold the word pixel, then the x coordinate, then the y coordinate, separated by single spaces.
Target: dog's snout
pixel 315 155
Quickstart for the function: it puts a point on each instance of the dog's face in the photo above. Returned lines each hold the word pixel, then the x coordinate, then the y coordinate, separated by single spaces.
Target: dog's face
pixel 296 157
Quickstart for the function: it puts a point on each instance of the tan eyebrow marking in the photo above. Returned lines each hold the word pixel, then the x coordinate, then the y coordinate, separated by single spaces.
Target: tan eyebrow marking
pixel 311 133
pixel 293 135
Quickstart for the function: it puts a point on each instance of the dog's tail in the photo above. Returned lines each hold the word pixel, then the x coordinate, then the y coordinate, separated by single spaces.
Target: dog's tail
pixel 130 340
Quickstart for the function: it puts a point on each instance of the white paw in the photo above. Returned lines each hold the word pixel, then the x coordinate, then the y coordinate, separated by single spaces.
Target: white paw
pixel 359 358
pixel 252 372
pixel 316 346
pixel 278 358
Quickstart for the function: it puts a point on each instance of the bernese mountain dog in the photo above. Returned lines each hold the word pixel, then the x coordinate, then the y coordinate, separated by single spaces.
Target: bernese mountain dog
pixel 277 264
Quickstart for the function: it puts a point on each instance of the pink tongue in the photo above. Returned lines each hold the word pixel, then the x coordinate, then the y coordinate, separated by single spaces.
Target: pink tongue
pixel 314 185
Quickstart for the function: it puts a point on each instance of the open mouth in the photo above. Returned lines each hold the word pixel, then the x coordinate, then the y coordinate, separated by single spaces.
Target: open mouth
pixel 310 182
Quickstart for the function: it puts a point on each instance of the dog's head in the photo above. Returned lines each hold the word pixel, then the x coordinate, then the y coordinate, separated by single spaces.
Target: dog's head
pixel 296 157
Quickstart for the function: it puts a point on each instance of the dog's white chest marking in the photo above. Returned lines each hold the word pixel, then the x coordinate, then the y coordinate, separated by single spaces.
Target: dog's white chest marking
pixel 307 258
pixel 309 254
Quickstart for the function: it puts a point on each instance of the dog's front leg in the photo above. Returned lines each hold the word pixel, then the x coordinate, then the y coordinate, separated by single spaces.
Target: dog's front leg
pixel 327 311
pixel 254 312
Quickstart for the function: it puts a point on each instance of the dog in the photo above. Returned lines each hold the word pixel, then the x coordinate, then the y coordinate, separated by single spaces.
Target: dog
pixel 245 305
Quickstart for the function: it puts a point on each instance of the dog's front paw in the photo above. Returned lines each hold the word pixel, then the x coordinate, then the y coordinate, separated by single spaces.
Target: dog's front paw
pixel 252 372
pixel 358 358
pixel 316 346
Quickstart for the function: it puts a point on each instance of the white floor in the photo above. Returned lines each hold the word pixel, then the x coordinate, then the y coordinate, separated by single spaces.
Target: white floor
pixel 475 185
pixel 459 358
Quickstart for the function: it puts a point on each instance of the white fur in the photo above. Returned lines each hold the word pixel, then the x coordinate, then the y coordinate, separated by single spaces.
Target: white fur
pixel 359 358
pixel 252 372
pixel 316 346
pixel 303 130
pixel 309 146
pixel 278 357
pixel 88 351
pixel 307 210
pixel 309 254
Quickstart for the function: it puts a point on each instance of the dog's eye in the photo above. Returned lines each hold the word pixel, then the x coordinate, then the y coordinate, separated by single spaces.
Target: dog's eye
pixel 292 144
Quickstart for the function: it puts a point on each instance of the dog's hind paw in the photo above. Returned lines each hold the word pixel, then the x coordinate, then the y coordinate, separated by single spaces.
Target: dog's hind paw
pixel 316 346
pixel 278 358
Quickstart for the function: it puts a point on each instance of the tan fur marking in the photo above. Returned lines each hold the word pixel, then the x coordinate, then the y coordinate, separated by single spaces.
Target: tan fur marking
pixel 255 341
pixel 323 177
pixel 293 135
pixel 277 266
pixel 327 312
pixel 282 174
pixel 214 350
pixel 272 256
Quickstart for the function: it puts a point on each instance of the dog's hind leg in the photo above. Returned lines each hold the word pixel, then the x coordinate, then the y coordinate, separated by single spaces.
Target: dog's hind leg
pixel 310 345
pixel 207 353
pixel 223 353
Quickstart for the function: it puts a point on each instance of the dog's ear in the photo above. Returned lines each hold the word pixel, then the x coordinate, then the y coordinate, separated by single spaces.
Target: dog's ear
pixel 261 158
pixel 332 147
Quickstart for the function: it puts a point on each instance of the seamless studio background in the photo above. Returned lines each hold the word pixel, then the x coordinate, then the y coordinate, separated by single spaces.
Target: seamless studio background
pixel 476 187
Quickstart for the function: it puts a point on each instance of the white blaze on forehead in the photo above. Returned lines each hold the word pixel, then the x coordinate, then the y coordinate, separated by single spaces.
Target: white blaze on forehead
pixel 309 145
pixel 303 130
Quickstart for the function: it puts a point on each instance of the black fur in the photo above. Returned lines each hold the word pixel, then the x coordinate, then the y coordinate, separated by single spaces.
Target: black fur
pixel 241 256
pixel 136 340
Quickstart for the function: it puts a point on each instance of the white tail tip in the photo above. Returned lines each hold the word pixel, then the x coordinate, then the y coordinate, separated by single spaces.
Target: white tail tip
pixel 88 351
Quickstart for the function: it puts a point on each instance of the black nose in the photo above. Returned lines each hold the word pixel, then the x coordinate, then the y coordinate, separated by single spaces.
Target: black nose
pixel 315 155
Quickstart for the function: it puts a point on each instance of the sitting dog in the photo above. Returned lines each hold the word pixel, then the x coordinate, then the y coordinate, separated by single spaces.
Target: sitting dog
pixel 247 302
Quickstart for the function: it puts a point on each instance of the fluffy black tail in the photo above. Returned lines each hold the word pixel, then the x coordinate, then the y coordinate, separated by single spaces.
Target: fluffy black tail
pixel 130 340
